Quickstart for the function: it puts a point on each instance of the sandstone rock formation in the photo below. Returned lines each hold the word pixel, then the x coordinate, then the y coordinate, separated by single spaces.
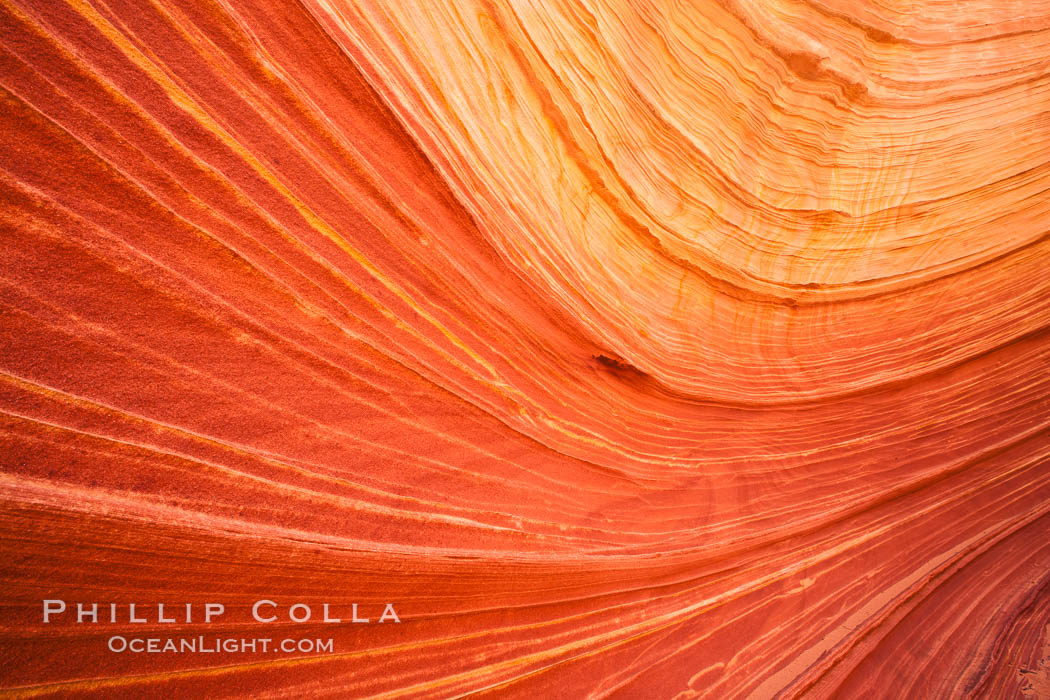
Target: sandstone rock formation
pixel 633 349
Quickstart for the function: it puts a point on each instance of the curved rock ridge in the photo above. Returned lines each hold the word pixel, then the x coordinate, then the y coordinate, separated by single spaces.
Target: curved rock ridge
pixel 629 349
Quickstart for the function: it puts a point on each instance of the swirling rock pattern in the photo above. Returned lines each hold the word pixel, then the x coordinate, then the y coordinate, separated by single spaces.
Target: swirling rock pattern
pixel 634 349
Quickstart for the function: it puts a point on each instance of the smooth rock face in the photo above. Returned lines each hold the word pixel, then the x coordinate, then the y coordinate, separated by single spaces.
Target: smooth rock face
pixel 634 349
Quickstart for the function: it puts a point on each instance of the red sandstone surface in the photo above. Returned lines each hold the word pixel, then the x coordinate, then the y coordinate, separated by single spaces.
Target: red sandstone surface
pixel 630 349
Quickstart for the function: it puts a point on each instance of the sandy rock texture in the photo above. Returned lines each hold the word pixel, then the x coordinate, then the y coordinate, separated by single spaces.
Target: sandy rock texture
pixel 631 348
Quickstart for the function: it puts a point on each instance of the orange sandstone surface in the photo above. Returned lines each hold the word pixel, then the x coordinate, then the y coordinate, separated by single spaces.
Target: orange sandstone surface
pixel 633 349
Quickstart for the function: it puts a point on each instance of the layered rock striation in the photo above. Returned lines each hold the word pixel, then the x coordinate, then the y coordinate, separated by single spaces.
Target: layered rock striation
pixel 633 349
